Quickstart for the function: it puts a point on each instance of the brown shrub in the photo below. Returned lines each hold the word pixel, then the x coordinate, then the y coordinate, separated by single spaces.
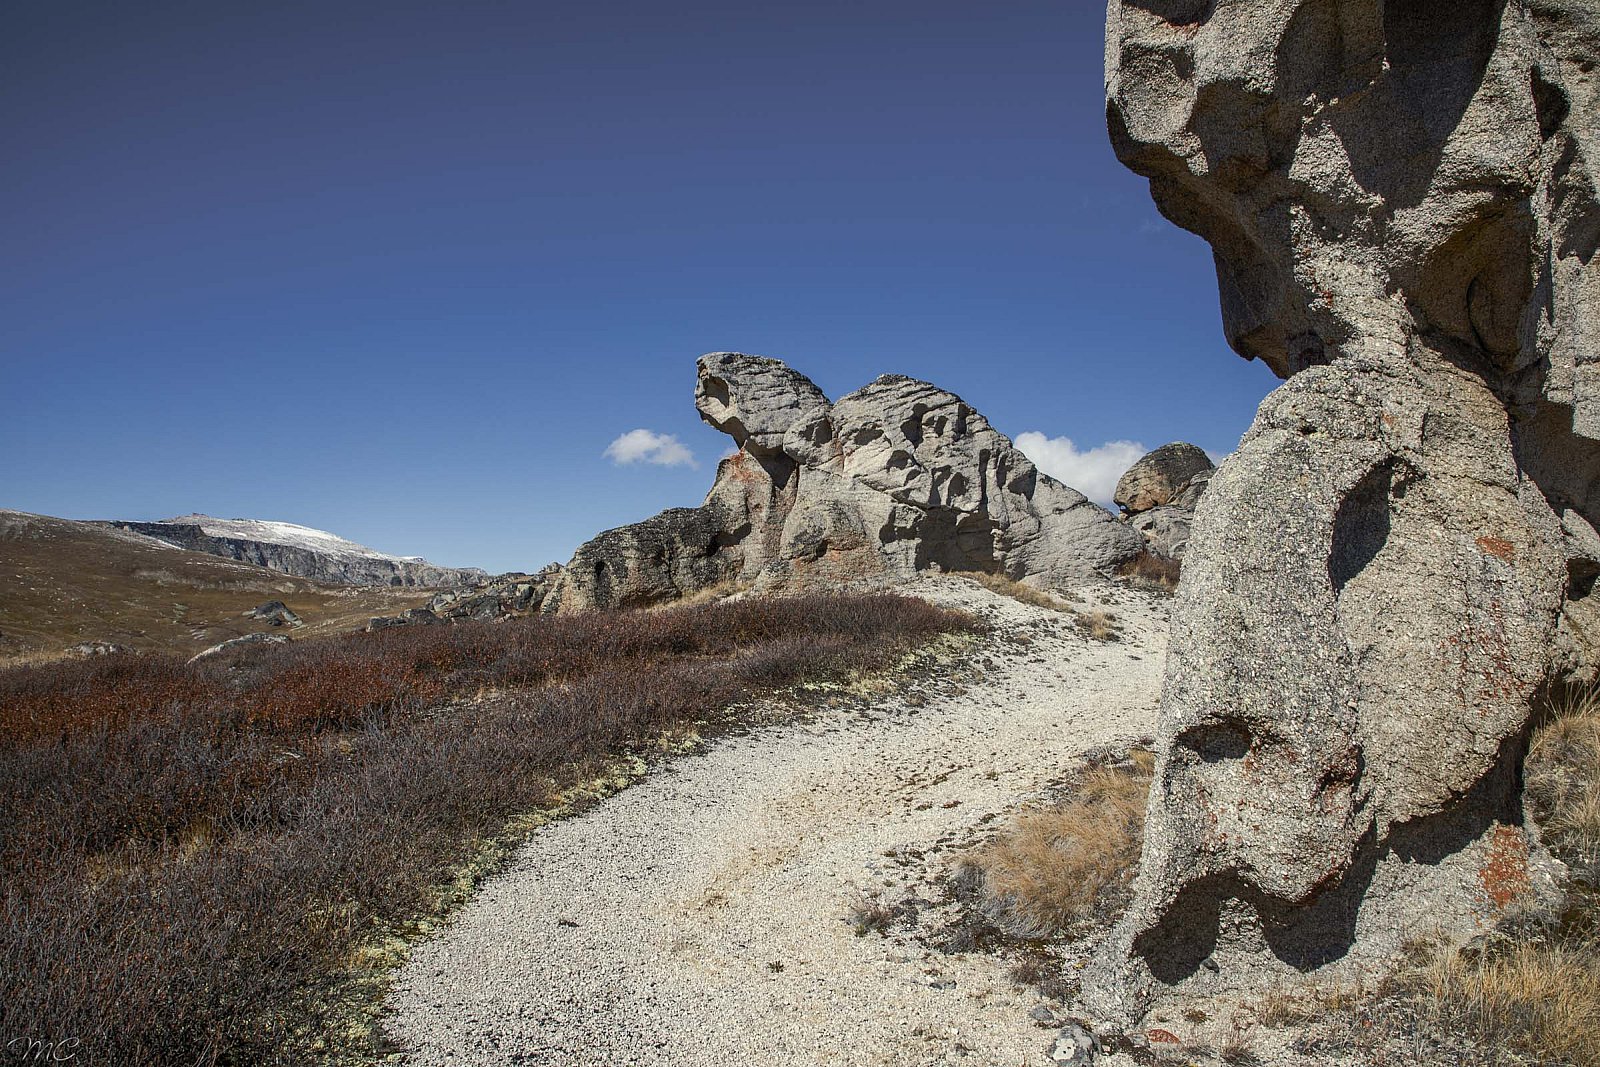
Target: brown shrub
pixel 1057 868
pixel 194 854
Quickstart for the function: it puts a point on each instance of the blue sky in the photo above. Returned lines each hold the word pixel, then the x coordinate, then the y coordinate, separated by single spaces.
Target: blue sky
pixel 404 271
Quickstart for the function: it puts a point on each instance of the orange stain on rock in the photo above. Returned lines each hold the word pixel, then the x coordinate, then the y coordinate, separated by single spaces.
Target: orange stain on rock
pixel 1498 546
pixel 1505 873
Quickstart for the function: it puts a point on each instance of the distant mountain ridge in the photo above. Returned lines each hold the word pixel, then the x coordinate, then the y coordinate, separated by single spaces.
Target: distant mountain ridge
pixel 301 551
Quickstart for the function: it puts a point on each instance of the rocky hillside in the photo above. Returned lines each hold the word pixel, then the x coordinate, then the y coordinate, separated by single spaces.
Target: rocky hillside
pixel 302 551
pixel 64 583
pixel 897 478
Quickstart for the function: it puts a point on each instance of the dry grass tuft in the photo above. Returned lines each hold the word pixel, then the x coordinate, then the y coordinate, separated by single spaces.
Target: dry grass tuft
pixel 1522 996
pixel 1056 869
pixel 1099 625
pixel 1027 594
pixel 202 863
pixel 1153 572
pixel 710 594
pixel 1538 998
pixel 1563 781
pixel 867 916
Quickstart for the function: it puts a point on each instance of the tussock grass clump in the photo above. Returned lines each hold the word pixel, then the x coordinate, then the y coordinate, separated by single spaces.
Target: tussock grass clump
pixel 1540 999
pixel 201 862
pixel 1539 995
pixel 1153 572
pixel 1027 594
pixel 1055 869
pixel 1563 782
pixel 1528 994
pixel 1099 625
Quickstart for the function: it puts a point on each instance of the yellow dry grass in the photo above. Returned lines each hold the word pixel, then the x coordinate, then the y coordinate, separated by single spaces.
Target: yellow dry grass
pixel 1056 868
pixel 1539 998
pixel 1027 594
pixel 1563 777
pixel 1099 625
pixel 709 594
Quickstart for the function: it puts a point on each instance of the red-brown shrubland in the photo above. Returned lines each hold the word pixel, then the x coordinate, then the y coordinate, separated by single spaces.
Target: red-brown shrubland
pixel 195 855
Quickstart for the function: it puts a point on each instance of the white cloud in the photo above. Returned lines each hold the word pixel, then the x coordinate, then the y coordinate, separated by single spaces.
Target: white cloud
pixel 647 446
pixel 1093 472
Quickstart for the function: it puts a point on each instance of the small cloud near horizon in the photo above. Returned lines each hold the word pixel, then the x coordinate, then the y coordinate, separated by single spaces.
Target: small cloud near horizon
pixel 1093 472
pixel 647 446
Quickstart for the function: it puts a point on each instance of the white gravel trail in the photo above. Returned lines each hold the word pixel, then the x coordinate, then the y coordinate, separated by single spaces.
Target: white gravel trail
pixel 699 917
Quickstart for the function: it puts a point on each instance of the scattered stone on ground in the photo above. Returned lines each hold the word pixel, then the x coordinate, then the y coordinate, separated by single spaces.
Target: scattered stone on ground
pixel 240 642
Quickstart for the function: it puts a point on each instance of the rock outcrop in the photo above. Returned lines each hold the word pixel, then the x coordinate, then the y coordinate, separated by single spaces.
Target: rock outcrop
pixel 1160 476
pixel 895 478
pixel 302 551
pixel 247 641
pixel 1402 203
pixel 275 612
pixel 1159 493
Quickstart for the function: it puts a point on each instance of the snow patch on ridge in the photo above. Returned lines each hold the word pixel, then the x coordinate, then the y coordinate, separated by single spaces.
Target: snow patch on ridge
pixel 290 535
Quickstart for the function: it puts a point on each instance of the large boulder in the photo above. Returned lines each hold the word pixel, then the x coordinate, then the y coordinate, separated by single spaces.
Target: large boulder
pixel 896 478
pixel 1159 493
pixel 1402 204
pixel 1160 476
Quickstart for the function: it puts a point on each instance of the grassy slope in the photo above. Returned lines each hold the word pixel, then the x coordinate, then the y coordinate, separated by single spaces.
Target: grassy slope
pixel 62 582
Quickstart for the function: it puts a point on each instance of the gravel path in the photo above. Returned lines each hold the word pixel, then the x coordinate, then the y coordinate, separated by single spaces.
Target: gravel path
pixel 700 917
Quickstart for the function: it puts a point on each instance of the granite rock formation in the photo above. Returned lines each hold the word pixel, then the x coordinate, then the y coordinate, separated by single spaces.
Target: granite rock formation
pixel 302 551
pixel 895 478
pixel 1402 203
pixel 1159 493
pixel 1160 476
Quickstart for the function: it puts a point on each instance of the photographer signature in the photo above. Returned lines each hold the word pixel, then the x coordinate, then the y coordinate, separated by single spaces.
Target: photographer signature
pixel 37 1050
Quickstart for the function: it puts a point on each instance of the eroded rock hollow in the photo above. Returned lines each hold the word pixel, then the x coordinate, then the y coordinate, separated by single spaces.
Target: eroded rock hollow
pixel 1402 203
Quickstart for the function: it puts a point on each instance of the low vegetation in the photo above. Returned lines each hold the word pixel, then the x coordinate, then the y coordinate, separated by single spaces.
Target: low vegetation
pixel 1535 994
pixel 1027 594
pixel 1095 624
pixel 1058 869
pixel 213 863
pixel 1528 994
pixel 64 582
pixel 1152 572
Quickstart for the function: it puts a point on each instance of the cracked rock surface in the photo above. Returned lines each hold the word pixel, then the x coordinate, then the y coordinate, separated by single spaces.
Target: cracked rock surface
pixel 898 478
